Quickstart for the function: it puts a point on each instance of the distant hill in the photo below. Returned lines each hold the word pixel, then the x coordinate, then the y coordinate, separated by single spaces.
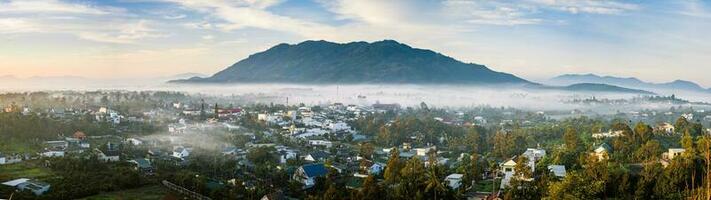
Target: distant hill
pixel 596 87
pixel 323 62
pixel 568 79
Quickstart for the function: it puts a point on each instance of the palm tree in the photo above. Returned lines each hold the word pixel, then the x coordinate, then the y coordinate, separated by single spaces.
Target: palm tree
pixel 433 182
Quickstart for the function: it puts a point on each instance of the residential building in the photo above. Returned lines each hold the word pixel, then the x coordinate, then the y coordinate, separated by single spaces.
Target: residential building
pixel 557 170
pixel 307 174
pixel 454 181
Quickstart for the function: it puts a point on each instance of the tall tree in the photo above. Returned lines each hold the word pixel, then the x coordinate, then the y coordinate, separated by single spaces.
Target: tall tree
pixel 392 169
pixel 571 139
pixel 643 131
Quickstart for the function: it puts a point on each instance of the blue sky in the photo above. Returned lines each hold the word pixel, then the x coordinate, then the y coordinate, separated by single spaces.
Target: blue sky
pixel 536 39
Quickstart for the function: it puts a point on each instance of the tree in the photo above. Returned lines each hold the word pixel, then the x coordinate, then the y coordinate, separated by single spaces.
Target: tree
pixel 331 193
pixel 643 131
pixel 475 168
pixel 411 179
pixel 433 181
pixel 650 151
pixel 371 189
pixel 647 181
pixel 385 136
pixel 576 186
pixel 571 139
pixel 521 185
pixel 681 125
pixel 687 142
pixel 522 169
pixel 366 150
pixel 392 170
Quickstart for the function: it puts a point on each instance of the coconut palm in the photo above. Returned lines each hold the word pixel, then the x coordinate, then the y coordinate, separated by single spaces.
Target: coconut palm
pixel 433 182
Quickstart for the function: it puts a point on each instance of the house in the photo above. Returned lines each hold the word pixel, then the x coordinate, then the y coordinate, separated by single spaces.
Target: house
pixel 230 151
pixel 608 134
pixel 181 152
pixel 673 153
pixel 110 154
pixel 34 186
pixel 424 150
pixel 668 156
pixel 142 164
pixel 454 180
pixel 507 168
pixel 371 167
pixel 134 141
pixel 602 152
pixel 338 126
pixel 52 153
pixel 376 169
pixel 666 128
pixel 557 170
pixel 84 144
pixel 79 135
pixel 324 143
pixel 534 155
pixel 224 113
pixel 316 156
pixel 307 174
pixel 57 145
pixel 286 154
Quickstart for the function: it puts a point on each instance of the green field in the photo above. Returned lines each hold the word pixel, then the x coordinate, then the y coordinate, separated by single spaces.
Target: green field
pixel 25 169
pixel 8 146
pixel 486 185
pixel 148 192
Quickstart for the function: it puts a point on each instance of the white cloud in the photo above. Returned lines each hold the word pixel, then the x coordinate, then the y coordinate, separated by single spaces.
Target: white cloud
pixel 50 6
pixel 208 37
pixel 605 7
pixel 94 23
pixel 177 16
pixel 15 25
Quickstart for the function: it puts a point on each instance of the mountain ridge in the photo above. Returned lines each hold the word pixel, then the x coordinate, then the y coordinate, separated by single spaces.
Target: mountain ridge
pixel 628 82
pixel 380 62
pixel 385 61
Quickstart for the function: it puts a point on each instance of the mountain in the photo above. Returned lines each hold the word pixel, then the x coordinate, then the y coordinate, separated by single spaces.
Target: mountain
pixel 568 79
pixel 596 87
pixel 388 61
pixel 187 75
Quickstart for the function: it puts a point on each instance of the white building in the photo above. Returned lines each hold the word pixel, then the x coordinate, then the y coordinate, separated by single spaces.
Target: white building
pixel 339 126
pixel 673 153
pixel 424 150
pixel 454 181
pixel 557 170
pixel 324 143
pixel 53 153
pixel 607 134
pixel 181 152
pixel 665 128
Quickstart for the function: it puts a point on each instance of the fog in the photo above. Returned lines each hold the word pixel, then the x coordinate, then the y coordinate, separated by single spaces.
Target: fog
pixel 405 95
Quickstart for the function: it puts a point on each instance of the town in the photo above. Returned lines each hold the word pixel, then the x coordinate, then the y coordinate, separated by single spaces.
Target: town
pixel 173 145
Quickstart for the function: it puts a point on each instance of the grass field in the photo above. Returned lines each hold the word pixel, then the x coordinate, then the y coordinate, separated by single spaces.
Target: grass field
pixel 486 185
pixel 25 169
pixel 145 193
pixel 9 145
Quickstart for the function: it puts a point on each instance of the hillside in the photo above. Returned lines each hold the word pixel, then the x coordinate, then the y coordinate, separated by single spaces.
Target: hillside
pixel 388 61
